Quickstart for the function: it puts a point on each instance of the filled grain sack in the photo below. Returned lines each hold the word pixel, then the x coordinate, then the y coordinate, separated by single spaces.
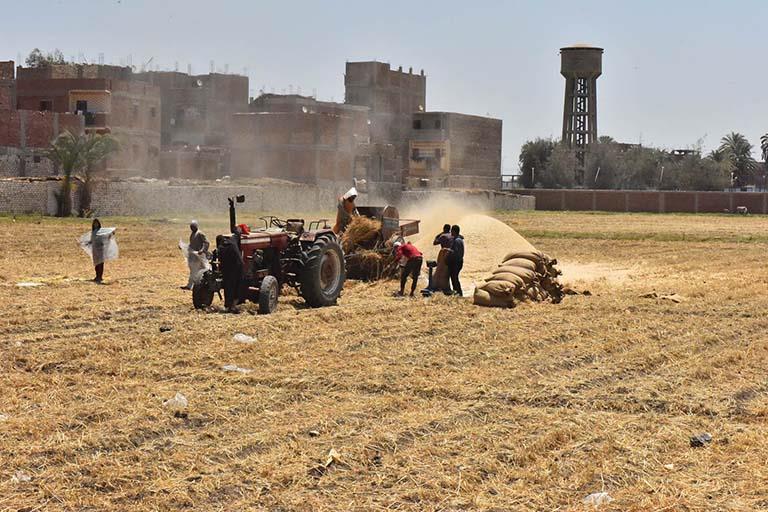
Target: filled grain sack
pixel 520 262
pixel 523 274
pixel 500 288
pixel 483 298
pixel 534 256
pixel 527 276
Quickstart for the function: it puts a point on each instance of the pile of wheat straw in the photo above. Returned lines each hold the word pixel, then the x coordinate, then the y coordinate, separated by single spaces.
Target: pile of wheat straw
pixel 361 230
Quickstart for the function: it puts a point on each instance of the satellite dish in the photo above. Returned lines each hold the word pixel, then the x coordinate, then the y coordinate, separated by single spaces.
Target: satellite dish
pixel 199 83
pixel 304 109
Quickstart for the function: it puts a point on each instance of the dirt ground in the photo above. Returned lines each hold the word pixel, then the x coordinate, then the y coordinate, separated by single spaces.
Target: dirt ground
pixel 429 404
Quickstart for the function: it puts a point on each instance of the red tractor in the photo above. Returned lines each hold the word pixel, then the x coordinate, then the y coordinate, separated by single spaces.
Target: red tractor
pixel 282 252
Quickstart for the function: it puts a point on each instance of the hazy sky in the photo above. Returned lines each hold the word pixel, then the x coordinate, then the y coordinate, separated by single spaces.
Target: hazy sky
pixel 674 71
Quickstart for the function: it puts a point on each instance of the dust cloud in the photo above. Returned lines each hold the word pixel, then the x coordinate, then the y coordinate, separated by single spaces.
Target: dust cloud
pixel 487 240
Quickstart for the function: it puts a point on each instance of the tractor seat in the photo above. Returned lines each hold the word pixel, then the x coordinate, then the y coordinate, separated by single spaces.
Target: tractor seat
pixel 294 226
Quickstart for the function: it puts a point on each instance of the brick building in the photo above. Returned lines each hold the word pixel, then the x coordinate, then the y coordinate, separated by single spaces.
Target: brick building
pixel 109 99
pixel 26 134
pixel 392 96
pixel 297 146
pixel 370 160
pixel 197 109
pixel 7 85
pixel 455 150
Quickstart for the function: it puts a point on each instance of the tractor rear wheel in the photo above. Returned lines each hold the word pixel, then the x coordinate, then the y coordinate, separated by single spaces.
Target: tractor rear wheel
pixel 202 296
pixel 323 275
pixel 268 292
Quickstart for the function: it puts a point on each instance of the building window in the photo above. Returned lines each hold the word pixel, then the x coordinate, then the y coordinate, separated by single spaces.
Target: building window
pixel 153 112
pixel 46 105
pixel 415 154
pixel 81 107
pixel 438 124
pixel 36 159
pixel 438 154
pixel 417 124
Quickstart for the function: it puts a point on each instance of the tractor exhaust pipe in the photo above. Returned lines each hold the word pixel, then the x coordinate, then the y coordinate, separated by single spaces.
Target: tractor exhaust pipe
pixel 232 215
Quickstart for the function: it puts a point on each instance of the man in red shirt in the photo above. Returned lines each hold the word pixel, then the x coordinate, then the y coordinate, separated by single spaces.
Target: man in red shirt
pixel 410 259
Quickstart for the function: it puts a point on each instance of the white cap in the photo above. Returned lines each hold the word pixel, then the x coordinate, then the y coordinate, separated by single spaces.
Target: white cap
pixel 398 243
pixel 351 192
pixel 193 223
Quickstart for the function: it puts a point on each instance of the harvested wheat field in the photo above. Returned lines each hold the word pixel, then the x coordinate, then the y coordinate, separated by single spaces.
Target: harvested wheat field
pixel 386 404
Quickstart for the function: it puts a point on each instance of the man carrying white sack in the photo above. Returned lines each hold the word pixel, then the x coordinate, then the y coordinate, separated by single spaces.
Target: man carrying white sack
pixel 197 254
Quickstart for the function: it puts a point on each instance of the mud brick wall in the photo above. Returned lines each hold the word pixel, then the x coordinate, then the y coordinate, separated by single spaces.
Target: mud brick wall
pixel 155 198
pixel 647 201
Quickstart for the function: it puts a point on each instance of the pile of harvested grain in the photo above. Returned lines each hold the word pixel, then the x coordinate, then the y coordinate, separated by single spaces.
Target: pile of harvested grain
pixel 522 275
pixel 361 231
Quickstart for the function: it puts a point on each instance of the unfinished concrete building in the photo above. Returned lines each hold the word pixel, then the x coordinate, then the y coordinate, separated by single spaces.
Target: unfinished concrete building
pixel 297 146
pixel 109 99
pixel 371 161
pixel 392 96
pixel 197 109
pixel 454 150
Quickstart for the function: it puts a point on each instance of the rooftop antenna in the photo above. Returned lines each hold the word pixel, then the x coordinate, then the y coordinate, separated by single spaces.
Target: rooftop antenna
pixel 176 66
pixel 290 88
pixel 226 69
pixel 144 66
pixel 189 68
pixel 101 58
pixel 213 67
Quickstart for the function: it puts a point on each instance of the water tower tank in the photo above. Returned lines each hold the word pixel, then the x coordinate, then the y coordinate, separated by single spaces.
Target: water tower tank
pixel 581 65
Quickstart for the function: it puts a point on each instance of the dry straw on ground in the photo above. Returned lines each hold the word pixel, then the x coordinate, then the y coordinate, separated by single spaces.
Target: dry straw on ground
pixel 405 404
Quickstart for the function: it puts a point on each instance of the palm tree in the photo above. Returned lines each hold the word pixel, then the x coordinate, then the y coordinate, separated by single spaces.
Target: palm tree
pixel 764 146
pixel 96 149
pixel 75 153
pixel 738 152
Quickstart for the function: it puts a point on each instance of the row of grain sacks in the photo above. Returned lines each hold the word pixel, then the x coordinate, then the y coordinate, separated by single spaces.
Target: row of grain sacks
pixel 522 275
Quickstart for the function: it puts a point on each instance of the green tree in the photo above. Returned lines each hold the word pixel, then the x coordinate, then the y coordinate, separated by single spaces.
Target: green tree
pixel 534 156
pixel 38 59
pixel 558 173
pixel 692 172
pixel 764 147
pixel 603 165
pixel 738 152
pixel 75 154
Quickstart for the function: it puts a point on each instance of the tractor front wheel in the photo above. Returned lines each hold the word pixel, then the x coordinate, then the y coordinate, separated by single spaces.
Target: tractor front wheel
pixel 323 275
pixel 268 292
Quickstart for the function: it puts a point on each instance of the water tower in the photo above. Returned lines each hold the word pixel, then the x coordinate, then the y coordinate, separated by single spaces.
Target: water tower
pixel 581 65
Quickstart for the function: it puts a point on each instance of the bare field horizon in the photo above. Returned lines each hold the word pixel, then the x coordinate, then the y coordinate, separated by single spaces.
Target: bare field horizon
pixel 432 404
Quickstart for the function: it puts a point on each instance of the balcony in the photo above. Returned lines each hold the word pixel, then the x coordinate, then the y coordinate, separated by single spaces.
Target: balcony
pixel 96 121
